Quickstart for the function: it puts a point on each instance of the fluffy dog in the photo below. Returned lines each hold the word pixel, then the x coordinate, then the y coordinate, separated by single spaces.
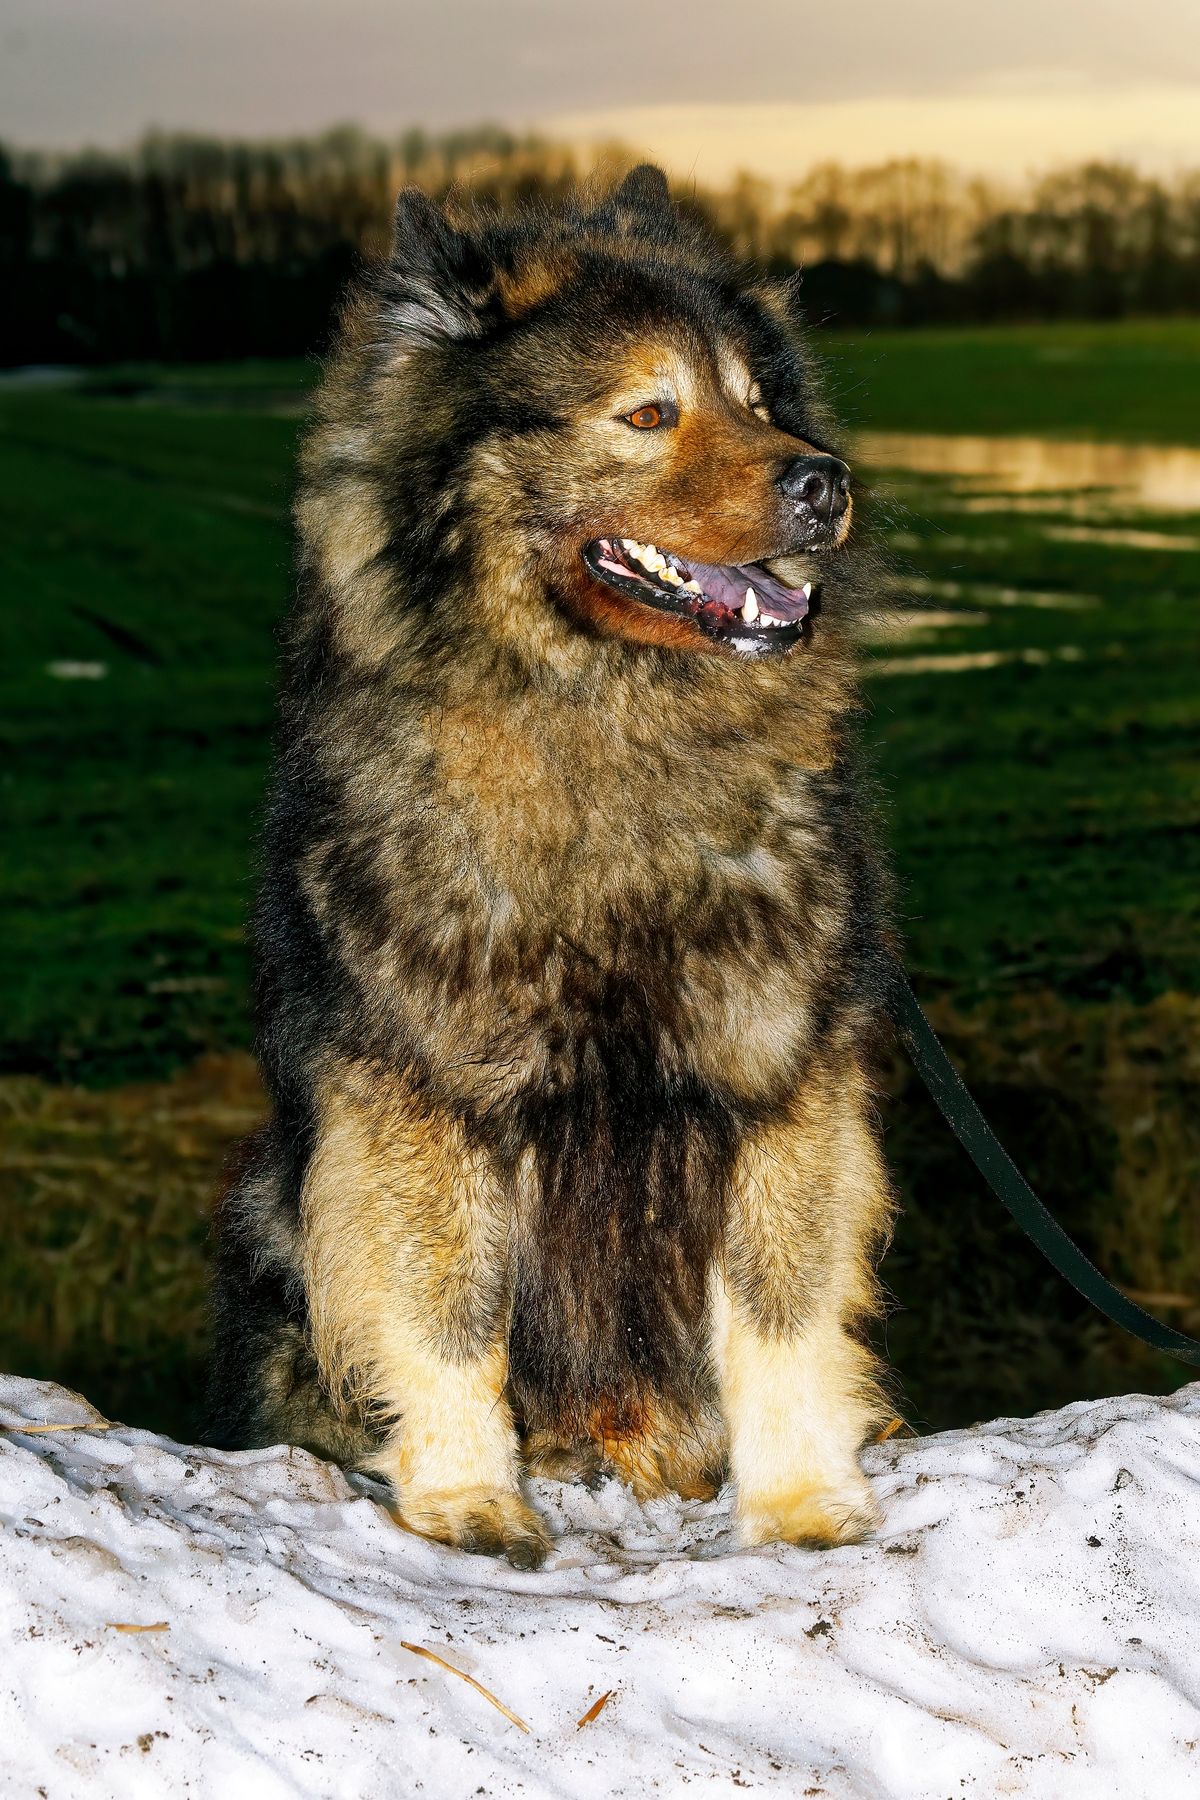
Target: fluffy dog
pixel 570 944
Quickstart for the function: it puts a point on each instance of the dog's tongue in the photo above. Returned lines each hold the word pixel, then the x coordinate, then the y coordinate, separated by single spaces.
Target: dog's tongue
pixel 728 586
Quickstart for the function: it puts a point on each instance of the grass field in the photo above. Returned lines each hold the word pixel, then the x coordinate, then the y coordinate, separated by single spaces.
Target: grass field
pixel 1128 382
pixel 1043 797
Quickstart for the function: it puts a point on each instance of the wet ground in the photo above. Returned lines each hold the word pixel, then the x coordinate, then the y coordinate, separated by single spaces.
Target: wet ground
pixel 1052 491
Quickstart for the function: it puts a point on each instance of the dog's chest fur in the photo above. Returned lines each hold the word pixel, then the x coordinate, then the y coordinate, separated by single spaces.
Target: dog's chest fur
pixel 526 881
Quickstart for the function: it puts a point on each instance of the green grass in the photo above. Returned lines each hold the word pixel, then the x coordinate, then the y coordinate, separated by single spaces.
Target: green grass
pixel 1044 816
pixel 150 540
pixel 1137 381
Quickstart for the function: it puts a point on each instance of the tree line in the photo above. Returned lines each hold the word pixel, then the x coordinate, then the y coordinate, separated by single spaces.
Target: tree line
pixel 191 248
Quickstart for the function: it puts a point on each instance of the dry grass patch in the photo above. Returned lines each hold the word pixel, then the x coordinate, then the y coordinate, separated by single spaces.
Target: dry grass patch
pixel 106 1198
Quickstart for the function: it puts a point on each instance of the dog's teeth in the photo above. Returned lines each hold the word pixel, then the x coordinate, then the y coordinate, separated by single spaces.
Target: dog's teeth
pixel 750 609
pixel 671 575
pixel 692 587
pixel 631 545
pixel 806 590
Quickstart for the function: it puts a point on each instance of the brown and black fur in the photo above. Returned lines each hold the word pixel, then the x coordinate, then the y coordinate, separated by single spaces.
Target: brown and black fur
pixel 570 938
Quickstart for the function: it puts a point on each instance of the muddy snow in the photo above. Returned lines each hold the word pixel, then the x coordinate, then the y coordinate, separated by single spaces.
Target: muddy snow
pixel 181 1622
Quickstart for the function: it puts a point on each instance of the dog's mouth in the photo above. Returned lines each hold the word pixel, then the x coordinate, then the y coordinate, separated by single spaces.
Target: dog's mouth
pixel 743 605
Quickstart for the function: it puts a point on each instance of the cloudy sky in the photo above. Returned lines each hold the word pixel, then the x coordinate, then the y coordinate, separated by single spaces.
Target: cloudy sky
pixel 708 85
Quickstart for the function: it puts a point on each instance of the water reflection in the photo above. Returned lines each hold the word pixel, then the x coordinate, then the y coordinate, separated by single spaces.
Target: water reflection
pixel 886 625
pixel 1124 537
pixel 1159 477
pixel 959 662
pixel 987 594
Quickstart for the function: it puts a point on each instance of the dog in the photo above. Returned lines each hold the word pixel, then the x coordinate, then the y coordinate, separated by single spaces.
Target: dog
pixel 571 948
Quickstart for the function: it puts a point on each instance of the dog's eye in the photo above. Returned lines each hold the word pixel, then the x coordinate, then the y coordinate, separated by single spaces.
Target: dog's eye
pixel 650 417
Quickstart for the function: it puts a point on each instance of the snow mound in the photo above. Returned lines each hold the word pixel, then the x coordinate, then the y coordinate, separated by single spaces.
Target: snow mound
pixel 1025 1623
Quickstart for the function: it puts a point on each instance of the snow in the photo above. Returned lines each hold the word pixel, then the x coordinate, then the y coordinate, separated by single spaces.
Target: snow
pixel 1026 1622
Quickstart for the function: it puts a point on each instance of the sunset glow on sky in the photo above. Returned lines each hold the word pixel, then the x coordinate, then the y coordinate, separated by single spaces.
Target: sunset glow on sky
pixel 768 85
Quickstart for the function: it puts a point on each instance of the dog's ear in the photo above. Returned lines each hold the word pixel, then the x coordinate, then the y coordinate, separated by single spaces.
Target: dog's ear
pixel 436 279
pixel 643 190
pixel 642 200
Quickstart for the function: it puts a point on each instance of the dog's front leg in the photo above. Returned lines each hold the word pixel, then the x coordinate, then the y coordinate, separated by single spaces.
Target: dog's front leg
pixel 406 1236
pixel 800 1393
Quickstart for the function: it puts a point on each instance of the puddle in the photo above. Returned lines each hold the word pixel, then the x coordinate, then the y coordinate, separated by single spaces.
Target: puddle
pixel 65 670
pixel 1122 538
pixel 949 541
pixel 957 662
pixel 1158 477
pixel 275 402
pixel 984 594
pixel 282 399
pixel 885 626
pixel 39 377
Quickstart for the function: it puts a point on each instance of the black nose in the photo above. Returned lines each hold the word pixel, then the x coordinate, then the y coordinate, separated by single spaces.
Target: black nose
pixel 821 483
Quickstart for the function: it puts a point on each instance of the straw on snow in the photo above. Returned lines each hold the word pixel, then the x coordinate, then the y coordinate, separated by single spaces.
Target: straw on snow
pixel 23 1430
pixel 595 1709
pixel 420 1650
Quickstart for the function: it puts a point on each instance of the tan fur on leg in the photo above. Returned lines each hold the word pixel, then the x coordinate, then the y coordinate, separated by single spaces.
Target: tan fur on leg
pixel 453 1458
pixel 405 1232
pixel 799 1409
pixel 799 1392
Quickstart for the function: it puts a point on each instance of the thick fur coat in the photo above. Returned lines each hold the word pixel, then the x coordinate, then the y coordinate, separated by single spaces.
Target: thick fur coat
pixel 570 944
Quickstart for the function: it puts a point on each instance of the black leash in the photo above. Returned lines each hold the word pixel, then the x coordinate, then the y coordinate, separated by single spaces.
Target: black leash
pixel 1010 1186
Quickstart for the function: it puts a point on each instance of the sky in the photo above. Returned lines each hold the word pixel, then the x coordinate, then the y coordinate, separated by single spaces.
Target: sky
pixel 708 86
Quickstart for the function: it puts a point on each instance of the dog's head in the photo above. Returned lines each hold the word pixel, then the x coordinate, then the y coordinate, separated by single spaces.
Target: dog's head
pixel 588 420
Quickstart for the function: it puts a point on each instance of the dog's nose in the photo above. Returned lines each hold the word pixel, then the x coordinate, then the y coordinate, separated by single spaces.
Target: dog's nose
pixel 821 483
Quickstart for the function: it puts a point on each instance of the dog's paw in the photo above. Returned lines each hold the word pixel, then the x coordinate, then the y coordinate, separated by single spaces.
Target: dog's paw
pixel 483 1524
pixel 819 1516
